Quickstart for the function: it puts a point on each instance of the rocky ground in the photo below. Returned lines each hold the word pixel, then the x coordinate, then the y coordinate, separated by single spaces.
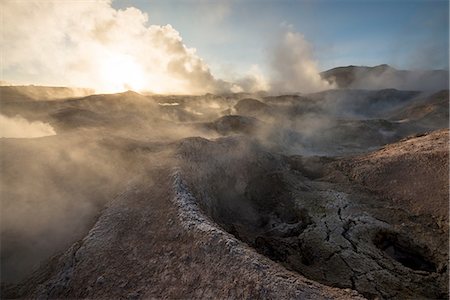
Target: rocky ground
pixel 232 196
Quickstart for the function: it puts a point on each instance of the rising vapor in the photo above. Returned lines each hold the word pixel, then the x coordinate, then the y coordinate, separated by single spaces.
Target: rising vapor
pixel 90 44
pixel 18 127
pixel 293 66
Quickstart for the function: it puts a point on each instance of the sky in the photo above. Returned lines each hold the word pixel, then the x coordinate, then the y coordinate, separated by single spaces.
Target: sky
pixel 199 46
pixel 407 34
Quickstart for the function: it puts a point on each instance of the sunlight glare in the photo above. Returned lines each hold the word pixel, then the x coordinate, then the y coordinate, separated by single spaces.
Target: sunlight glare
pixel 120 72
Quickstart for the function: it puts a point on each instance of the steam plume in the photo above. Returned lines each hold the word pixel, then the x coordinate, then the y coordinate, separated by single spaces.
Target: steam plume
pixel 294 69
pixel 91 44
pixel 18 127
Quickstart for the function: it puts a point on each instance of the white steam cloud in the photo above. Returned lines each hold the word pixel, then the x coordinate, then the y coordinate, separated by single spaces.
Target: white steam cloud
pixel 294 68
pixel 90 44
pixel 18 127
pixel 253 81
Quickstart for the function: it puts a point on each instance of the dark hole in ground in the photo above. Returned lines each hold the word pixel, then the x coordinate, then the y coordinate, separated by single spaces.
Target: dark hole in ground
pixel 264 215
pixel 310 167
pixel 405 253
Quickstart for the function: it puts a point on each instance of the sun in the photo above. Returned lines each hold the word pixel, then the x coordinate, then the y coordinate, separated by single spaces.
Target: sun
pixel 120 72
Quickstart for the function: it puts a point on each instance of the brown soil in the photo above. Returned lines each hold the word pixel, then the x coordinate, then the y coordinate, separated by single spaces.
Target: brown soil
pixel 413 173
pixel 308 216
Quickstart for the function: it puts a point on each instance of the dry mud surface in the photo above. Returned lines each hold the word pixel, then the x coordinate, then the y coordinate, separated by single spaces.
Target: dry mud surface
pixel 233 196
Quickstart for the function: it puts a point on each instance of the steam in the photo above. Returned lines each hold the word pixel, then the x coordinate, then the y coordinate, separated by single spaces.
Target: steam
pixel 403 80
pixel 294 69
pixel 18 127
pixel 51 190
pixel 252 82
pixel 90 44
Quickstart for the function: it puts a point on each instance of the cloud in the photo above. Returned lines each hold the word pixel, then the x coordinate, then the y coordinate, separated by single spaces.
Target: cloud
pixel 91 44
pixel 18 127
pixel 252 81
pixel 293 66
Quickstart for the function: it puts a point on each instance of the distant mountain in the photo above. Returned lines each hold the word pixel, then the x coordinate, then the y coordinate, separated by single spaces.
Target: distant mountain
pixel 345 76
pixel 385 76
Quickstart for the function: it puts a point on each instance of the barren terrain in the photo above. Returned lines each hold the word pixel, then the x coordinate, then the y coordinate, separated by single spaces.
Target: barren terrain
pixel 341 194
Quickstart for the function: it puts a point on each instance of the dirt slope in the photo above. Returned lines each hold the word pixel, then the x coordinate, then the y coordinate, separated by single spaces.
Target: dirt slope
pixel 317 222
pixel 144 246
pixel 412 173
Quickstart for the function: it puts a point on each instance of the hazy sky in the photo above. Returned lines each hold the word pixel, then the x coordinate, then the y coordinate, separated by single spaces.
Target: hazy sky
pixel 198 46
pixel 236 34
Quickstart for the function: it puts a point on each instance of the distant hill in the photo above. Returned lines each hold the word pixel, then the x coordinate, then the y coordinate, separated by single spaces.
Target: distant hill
pixel 385 76
pixel 32 92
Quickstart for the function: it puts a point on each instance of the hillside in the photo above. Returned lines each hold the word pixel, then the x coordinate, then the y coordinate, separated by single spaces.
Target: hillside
pixel 339 194
pixel 385 76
